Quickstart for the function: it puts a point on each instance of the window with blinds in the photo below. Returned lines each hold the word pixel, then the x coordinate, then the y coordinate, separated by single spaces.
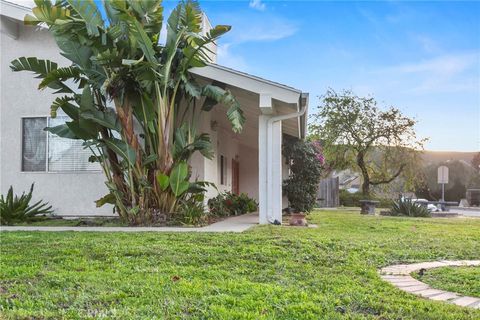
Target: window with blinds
pixel 44 151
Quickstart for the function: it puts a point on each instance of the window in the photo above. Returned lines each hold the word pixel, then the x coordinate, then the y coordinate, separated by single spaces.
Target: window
pixel 44 151
pixel 34 144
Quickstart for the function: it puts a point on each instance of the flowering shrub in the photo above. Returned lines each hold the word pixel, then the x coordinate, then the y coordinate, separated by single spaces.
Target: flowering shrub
pixel 230 204
pixel 306 161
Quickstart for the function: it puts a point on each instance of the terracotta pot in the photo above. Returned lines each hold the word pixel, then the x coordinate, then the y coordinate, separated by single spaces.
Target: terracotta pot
pixel 298 219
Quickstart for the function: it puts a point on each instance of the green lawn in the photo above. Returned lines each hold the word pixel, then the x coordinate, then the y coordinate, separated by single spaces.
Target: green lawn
pixel 463 280
pixel 329 272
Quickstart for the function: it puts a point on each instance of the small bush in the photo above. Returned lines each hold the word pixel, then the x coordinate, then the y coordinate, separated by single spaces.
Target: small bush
pixel 191 211
pixel 348 199
pixel 18 209
pixel 407 207
pixel 306 163
pixel 230 204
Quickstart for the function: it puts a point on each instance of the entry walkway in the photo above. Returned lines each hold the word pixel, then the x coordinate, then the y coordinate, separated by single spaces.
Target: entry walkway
pixel 232 224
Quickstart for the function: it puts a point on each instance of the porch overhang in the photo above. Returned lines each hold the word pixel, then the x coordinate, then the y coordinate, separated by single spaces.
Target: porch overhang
pixel 274 98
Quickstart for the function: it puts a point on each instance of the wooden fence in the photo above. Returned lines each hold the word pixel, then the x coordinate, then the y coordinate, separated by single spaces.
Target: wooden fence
pixel 328 193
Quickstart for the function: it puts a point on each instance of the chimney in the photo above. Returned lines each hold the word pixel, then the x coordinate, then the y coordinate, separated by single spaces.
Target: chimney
pixel 206 27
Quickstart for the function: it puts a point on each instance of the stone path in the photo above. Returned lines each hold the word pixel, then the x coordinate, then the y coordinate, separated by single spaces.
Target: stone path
pixel 232 224
pixel 399 276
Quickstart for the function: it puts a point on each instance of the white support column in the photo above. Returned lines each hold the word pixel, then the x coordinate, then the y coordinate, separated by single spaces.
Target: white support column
pixel 275 181
pixel 262 169
pixel 270 170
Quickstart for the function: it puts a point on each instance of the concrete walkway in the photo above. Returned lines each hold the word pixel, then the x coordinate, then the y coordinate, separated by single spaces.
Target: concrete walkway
pixel 232 224
pixel 399 276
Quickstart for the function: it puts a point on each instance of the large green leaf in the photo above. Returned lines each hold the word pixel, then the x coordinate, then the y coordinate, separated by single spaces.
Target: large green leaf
pixel 39 66
pixel 178 176
pixel 64 104
pixel 187 142
pixel 75 52
pixel 88 10
pixel 47 13
pixel 57 76
pixel 214 94
pixel 219 95
pixel 83 131
pixel 108 198
pixel 86 101
pixel 144 42
pixel 122 149
pixel 106 119
pixel 163 181
pixel 63 131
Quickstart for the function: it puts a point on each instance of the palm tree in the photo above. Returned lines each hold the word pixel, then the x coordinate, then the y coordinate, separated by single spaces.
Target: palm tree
pixel 134 102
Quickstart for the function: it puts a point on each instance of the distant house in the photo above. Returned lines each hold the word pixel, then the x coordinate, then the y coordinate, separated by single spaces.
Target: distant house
pixel 249 162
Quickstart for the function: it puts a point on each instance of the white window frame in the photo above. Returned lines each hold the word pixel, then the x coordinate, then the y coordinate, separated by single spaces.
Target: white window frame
pixel 46 151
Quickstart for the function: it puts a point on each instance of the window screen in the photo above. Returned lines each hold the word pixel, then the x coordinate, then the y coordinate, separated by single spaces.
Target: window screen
pixel 34 144
pixel 67 154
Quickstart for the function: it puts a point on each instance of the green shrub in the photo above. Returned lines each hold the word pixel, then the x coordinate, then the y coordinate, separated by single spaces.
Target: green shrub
pixel 348 199
pixel 406 207
pixel 18 209
pixel 230 204
pixel 191 211
pixel 306 162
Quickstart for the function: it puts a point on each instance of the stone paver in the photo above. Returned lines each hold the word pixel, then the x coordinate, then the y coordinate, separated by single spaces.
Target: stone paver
pixel 413 289
pixel 232 224
pixel 466 301
pixel 399 276
pixel 445 296
pixel 429 292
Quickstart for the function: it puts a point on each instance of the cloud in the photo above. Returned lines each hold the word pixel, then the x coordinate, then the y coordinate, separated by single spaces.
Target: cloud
pixel 229 59
pixel 267 28
pixel 255 27
pixel 447 64
pixel 426 43
pixel 446 73
pixel 257 5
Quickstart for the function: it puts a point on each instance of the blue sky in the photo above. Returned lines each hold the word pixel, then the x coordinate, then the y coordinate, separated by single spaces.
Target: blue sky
pixel 422 57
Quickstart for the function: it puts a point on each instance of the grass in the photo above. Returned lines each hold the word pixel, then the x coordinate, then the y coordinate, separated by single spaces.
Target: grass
pixel 462 280
pixel 269 272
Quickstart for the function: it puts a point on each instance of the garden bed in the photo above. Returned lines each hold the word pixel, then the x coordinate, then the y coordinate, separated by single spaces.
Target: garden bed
pixel 59 221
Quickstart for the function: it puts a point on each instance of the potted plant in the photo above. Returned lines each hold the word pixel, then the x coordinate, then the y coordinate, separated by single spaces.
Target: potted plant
pixel 306 161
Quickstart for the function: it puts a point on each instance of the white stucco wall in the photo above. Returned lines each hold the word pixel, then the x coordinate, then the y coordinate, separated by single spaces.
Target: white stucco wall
pixel 68 193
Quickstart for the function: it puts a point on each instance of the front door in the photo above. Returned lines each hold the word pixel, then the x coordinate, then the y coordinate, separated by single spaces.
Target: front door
pixel 235 177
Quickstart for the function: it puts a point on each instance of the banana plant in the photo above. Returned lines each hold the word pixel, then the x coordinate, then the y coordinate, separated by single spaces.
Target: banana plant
pixel 131 100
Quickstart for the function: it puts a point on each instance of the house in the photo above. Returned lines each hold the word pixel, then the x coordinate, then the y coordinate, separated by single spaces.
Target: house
pixel 249 162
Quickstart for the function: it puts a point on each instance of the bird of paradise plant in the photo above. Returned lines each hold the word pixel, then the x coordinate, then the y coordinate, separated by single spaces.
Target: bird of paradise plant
pixel 131 99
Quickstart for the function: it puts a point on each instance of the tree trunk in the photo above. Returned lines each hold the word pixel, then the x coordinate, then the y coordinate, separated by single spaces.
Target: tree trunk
pixel 364 171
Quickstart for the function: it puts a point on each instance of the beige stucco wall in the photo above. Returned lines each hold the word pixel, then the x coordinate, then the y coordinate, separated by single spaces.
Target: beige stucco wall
pixel 68 193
